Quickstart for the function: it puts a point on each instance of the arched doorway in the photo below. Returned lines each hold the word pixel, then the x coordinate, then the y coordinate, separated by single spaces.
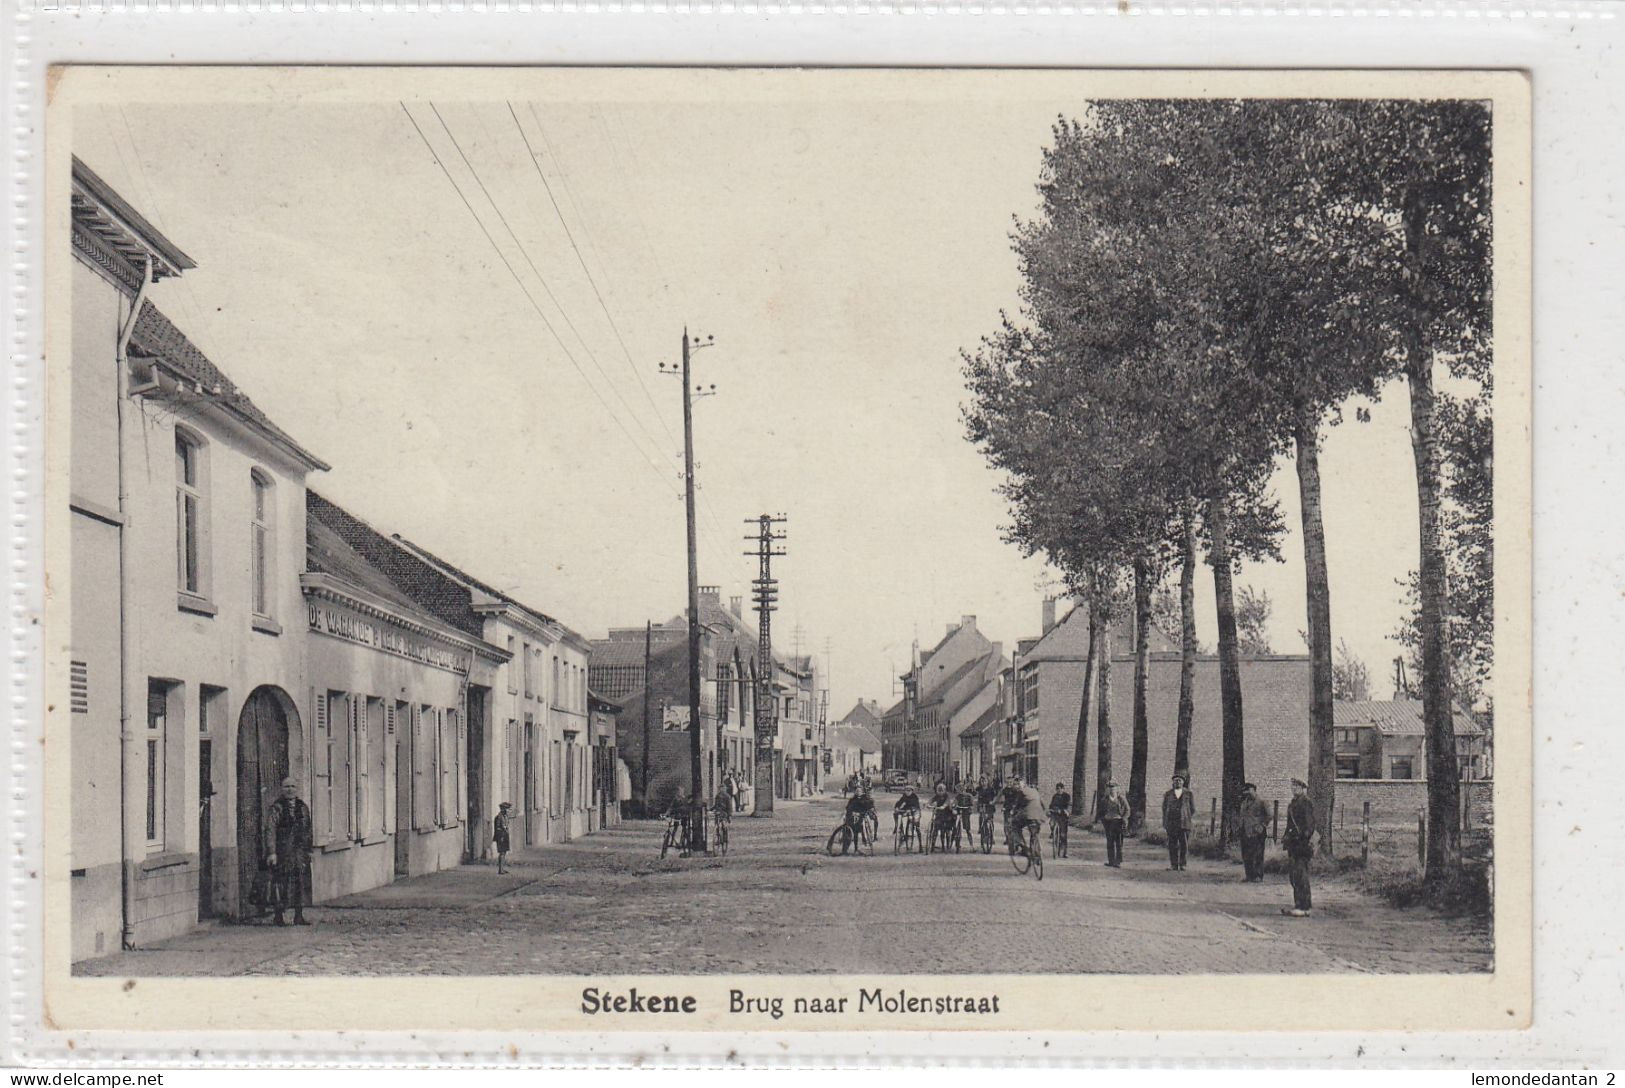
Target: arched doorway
pixel 267 740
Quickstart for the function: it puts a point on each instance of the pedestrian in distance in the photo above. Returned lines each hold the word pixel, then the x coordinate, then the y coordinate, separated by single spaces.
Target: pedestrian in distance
pixel 290 828
pixel 1178 814
pixel 1299 841
pixel 500 836
pixel 1114 818
pixel 1252 828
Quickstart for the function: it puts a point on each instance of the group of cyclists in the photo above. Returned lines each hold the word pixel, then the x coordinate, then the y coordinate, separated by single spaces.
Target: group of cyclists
pixel 950 811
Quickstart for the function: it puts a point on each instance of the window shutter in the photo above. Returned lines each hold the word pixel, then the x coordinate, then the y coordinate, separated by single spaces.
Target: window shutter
pixel 390 751
pixel 420 762
pixel 460 753
pixel 320 798
pixel 360 824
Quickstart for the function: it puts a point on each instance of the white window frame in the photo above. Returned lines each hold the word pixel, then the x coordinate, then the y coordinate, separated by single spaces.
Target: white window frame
pixel 192 581
pixel 261 543
pixel 157 774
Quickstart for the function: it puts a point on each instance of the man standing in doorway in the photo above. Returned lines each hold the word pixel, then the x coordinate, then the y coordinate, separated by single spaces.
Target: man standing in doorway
pixel 1299 840
pixel 290 852
pixel 1252 827
pixel 1178 813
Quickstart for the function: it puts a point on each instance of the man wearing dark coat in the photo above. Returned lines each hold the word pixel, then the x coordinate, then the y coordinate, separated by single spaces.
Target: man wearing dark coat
pixel 1252 828
pixel 1299 840
pixel 1178 814
pixel 290 828
pixel 1114 813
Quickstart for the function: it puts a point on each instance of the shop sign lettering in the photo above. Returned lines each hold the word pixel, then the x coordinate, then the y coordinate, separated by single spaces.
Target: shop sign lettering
pixel 364 632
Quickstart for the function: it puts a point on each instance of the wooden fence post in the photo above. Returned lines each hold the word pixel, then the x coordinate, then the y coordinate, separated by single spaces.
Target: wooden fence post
pixel 1365 833
pixel 1275 821
pixel 1213 816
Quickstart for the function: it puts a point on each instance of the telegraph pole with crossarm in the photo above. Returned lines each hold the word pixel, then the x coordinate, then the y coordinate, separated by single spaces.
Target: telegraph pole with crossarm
pixel 765 592
pixel 696 771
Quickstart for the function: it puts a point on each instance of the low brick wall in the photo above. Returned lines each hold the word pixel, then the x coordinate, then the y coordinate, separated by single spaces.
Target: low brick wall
pixel 1394 802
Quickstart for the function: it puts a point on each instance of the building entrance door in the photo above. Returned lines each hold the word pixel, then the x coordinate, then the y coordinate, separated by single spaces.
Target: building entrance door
pixel 476 834
pixel 205 849
pixel 527 805
pixel 262 764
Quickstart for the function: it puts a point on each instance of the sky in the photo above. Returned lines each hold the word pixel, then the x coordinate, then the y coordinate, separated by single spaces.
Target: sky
pixel 484 377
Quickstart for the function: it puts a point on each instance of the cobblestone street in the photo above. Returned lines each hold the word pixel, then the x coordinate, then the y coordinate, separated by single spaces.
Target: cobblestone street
pixel 608 905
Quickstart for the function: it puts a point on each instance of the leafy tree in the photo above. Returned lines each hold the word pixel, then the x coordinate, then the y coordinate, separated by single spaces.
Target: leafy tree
pixel 1253 609
pixel 1351 680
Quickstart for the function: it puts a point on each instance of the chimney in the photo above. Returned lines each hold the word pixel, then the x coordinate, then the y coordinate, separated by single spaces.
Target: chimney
pixel 968 621
pixel 735 604
pixel 1049 614
pixel 711 594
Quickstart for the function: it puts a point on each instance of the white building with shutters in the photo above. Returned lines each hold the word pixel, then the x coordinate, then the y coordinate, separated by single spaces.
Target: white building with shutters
pixel 185 616
pixel 228 627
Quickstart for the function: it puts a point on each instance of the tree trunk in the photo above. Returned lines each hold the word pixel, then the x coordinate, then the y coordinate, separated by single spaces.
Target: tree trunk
pixel 1443 830
pixel 1142 726
pixel 1234 764
pixel 1322 734
pixel 1103 699
pixel 1187 650
pixel 1080 750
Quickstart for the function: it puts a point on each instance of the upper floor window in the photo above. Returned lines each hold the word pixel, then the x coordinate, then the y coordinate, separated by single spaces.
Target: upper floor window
pixel 191 516
pixel 513 679
pixel 261 544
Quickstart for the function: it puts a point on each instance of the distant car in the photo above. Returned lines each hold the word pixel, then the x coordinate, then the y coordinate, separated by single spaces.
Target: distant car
pixel 896 780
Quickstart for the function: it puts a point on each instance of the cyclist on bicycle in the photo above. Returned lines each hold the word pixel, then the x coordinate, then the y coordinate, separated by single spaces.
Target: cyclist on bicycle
pixel 1060 807
pixel 987 794
pixel 723 806
pixel 964 801
pixel 861 807
pixel 942 810
pixel 908 803
pixel 1022 807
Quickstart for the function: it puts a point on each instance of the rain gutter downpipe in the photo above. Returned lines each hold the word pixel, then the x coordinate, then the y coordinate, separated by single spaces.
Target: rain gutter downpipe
pixel 121 384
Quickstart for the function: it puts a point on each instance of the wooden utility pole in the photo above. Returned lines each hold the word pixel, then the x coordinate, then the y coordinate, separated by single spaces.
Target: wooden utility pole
pixel 648 641
pixel 696 769
pixel 766 595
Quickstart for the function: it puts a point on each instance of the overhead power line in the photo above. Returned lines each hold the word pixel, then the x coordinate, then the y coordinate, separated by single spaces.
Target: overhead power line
pixel 528 296
pixel 582 260
pixel 525 252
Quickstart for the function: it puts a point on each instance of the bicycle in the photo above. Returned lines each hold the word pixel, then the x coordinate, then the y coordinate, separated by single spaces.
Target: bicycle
pixel 1025 852
pixel 854 835
pixel 984 831
pixel 719 835
pixel 944 829
pixel 676 834
pixel 906 834
pixel 1057 835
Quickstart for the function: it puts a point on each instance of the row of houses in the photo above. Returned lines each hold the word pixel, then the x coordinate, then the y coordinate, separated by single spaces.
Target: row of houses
pixel 645 670
pixel 968 710
pixel 230 627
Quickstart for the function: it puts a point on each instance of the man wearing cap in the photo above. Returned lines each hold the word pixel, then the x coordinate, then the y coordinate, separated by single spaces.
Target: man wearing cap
pixel 1114 818
pixel 1178 814
pixel 289 858
pixel 501 836
pixel 1299 840
pixel 1252 827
